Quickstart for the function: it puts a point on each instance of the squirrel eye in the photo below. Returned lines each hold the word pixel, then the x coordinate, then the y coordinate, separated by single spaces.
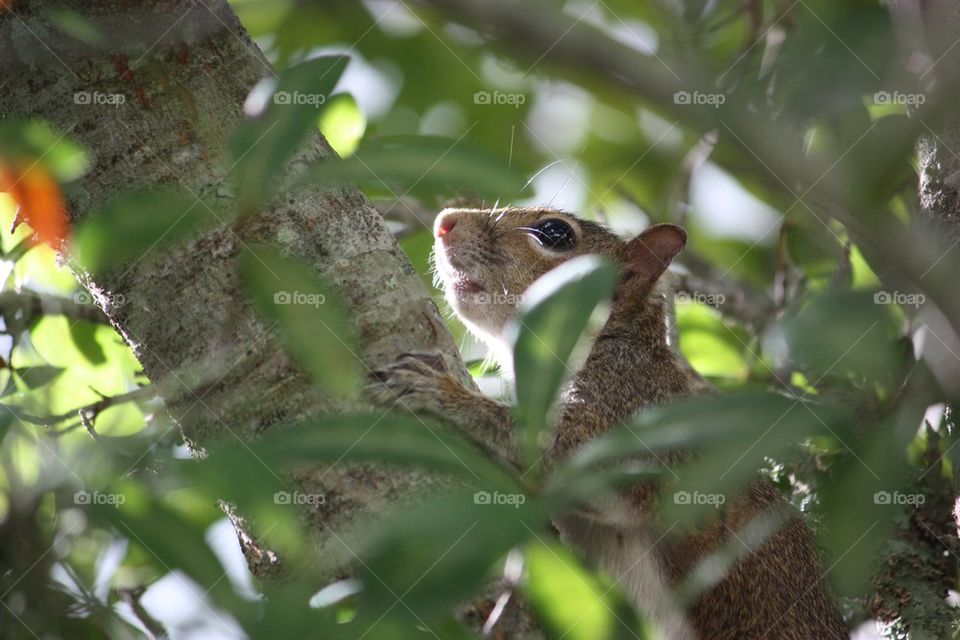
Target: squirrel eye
pixel 554 234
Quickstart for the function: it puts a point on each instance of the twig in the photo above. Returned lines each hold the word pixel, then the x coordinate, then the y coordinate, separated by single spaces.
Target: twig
pixel 132 598
pixel 742 301
pixel 32 304
pixel 87 413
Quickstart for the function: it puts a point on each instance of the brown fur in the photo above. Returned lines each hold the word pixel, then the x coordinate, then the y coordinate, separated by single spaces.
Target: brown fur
pixel 778 590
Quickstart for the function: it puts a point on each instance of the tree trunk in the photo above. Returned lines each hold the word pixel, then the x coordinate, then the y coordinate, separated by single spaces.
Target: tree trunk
pixel 184 68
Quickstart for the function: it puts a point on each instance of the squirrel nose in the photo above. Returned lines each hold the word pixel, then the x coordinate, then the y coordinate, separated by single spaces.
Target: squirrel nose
pixel 445 224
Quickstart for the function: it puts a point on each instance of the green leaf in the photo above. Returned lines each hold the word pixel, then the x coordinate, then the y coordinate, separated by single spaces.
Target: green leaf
pixel 285 111
pixel 35 377
pixel 76 25
pixel 343 124
pixel 552 318
pixel 306 310
pixel 571 602
pixel 6 420
pixel 34 141
pixel 391 438
pixel 10 385
pixel 284 613
pixel 436 556
pixel 728 436
pixel 84 336
pixel 868 496
pixel 711 346
pixel 862 336
pixel 568 486
pixel 421 165
pixel 135 224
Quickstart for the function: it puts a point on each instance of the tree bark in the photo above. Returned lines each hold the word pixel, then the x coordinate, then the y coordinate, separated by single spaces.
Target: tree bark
pixel 184 68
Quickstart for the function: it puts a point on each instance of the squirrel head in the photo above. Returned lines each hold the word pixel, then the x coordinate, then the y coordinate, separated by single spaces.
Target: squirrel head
pixel 486 258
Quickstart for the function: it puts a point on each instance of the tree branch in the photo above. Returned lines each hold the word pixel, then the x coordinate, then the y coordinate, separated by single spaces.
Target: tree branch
pixel 33 304
pixel 87 413
pixel 741 301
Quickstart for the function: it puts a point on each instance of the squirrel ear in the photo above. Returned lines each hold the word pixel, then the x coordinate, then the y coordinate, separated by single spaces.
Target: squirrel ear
pixel 650 253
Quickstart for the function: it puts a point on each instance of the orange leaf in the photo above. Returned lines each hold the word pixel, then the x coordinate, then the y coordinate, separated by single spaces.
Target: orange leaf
pixel 40 203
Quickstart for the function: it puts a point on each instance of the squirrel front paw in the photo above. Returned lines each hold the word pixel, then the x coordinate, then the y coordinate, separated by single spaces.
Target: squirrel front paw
pixel 417 382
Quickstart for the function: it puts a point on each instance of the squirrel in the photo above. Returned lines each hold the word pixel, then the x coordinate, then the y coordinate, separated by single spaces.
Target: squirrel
pixel 777 591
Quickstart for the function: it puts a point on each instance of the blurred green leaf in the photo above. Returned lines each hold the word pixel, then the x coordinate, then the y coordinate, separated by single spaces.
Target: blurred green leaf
pixel 710 344
pixel 728 436
pixel 421 165
pixel 284 613
pixel 10 384
pixel 135 224
pixel 284 111
pixel 861 341
pixel 84 336
pixel 552 319
pixel 309 316
pixel 35 141
pixel 836 53
pixel 343 124
pixel 6 420
pixel 813 246
pixel 863 502
pixel 76 25
pixel 35 377
pixel 436 556
pixel 389 438
pixel 574 604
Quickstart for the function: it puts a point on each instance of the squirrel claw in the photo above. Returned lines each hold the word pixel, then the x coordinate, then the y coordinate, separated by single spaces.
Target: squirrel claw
pixel 413 381
pixel 431 359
